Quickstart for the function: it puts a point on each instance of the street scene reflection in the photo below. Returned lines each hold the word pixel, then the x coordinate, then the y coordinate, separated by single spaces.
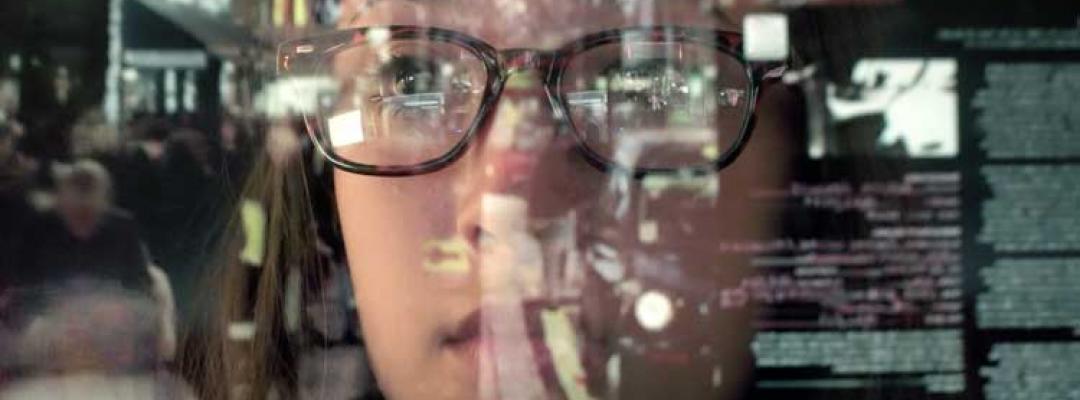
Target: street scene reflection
pixel 538 199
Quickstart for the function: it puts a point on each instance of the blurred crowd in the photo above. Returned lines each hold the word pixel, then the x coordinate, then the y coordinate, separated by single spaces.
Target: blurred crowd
pixel 106 235
pixel 112 237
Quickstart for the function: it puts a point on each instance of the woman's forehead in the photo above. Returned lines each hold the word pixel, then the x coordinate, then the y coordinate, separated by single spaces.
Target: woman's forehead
pixel 534 23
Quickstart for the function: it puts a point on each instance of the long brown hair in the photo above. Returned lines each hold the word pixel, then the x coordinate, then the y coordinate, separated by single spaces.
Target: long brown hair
pixel 218 363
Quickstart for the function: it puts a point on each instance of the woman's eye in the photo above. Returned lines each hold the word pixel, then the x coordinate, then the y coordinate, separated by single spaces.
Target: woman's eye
pixel 410 75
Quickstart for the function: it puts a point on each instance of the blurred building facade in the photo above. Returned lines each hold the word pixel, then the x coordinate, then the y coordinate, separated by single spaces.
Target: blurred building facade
pixel 56 52
pixel 164 57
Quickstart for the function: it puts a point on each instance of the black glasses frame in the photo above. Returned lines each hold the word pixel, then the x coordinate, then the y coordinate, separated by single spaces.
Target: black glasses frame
pixel 294 55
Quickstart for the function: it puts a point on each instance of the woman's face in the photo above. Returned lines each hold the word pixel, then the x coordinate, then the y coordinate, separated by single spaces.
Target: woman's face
pixel 522 263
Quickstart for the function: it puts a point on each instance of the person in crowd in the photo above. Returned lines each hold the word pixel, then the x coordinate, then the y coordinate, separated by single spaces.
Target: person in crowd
pixel 84 237
pixel 520 223
pixel 150 135
pixel 188 213
pixel 139 181
pixel 10 102
pixel 15 209
pixel 238 145
pixel 92 137
pixel 49 119
pixel 17 215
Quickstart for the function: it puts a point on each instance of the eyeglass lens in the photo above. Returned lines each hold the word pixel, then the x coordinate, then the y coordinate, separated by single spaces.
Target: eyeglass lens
pixel 634 102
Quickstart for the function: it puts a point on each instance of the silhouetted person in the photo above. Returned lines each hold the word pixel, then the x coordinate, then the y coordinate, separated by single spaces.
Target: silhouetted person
pixel 15 210
pixel 191 195
pixel 139 181
pixel 84 237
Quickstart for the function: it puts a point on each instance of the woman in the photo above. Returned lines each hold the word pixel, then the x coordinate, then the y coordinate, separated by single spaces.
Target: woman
pixel 528 223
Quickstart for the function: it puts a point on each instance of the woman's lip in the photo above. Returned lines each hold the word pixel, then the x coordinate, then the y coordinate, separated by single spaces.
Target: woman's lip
pixel 465 342
pixel 471 325
pixel 472 341
pixel 467 330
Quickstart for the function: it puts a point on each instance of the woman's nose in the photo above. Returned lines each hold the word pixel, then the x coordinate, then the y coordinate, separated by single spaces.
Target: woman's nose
pixel 526 152
pixel 520 131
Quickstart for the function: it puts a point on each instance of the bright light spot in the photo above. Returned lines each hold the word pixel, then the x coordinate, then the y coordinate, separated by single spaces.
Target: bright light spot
pixel 613 370
pixel 171 85
pixel 710 152
pixel 653 311
pixel 347 128
pixel 710 72
pixel 717 377
pixel 15 63
pixel 648 232
pixel 130 74
pixel 242 330
pixel 190 91
pixel 503 215
pixel 766 37
pixel 601 84
pixel 378 36
pixel 695 87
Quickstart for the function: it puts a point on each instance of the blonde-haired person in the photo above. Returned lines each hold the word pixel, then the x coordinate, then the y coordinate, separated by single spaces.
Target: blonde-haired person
pixel 82 235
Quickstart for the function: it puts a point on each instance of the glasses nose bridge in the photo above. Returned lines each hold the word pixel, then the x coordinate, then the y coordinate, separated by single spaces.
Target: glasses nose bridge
pixel 518 60
pixel 523 60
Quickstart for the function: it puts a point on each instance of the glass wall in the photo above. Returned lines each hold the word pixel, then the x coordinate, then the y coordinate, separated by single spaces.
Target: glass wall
pixel 564 199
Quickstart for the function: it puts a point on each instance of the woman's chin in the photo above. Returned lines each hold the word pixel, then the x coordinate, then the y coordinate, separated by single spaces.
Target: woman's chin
pixel 466 357
pixel 447 378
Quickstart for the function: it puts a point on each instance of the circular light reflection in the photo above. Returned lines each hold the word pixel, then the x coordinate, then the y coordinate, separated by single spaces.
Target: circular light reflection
pixel 653 311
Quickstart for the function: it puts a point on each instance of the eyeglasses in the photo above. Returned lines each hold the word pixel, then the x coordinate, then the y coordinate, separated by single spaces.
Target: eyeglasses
pixel 405 100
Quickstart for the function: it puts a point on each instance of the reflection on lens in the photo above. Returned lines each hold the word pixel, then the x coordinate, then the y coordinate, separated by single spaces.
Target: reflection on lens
pixel 657 104
pixel 399 102
pixel 653 311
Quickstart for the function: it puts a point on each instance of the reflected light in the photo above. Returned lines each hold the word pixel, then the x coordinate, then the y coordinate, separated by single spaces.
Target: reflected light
pixel 766 37
pixel 653 311
pixel 346 128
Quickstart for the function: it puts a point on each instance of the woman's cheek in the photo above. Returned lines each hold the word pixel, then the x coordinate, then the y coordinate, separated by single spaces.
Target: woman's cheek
pixel 386 224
